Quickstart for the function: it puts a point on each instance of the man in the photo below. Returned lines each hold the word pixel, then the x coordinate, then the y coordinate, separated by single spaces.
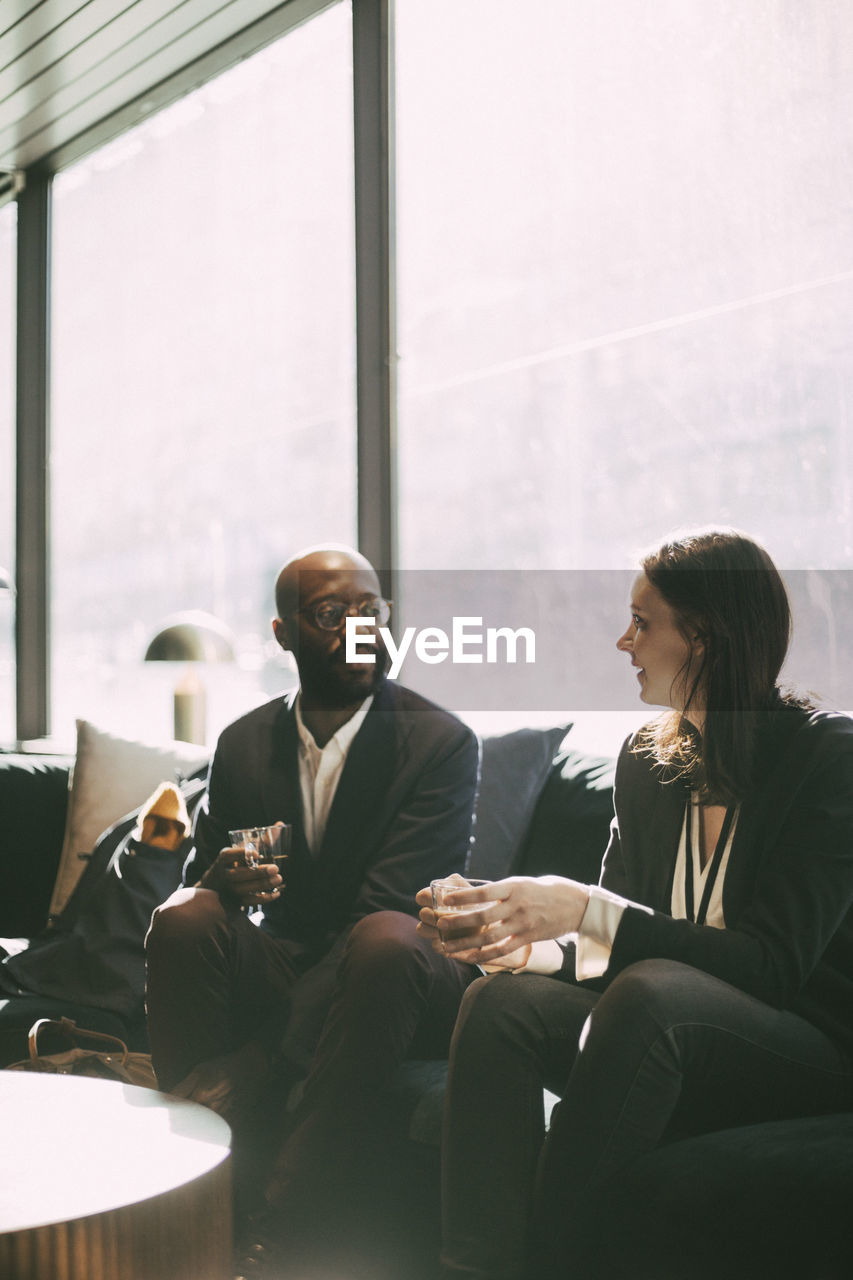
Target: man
pixel 379 786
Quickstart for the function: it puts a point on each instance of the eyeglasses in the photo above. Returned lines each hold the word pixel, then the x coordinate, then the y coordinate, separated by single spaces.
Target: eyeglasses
pixel 329 614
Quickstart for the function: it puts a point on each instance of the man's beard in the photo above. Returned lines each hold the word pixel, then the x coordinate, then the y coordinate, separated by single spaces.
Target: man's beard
pixel 334 684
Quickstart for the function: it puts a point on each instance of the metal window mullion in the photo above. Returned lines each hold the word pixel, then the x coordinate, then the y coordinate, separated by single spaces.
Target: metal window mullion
pixel 373 120
pixel 32 629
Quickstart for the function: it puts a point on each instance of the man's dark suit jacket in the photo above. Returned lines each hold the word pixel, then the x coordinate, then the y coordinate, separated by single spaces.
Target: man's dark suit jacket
pixel 401 815
pixel 788 892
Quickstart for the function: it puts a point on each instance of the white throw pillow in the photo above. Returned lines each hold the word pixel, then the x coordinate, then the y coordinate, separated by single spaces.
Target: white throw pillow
pixel 111 776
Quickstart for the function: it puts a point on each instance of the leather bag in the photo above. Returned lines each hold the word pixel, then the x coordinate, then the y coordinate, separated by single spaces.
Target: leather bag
pixel 88 1053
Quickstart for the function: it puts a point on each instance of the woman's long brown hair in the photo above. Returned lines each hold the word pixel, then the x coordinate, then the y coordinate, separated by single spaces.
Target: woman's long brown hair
pixel 723 586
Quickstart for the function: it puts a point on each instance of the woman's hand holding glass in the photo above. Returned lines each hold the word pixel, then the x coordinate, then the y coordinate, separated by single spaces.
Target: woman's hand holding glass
pixel 438 897
pixel 506 917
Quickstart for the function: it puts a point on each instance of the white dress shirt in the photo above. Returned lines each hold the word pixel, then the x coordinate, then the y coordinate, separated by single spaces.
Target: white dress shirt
pixel 320 770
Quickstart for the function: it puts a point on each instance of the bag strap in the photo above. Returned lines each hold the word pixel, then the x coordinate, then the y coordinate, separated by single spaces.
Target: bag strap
pixel 68 1028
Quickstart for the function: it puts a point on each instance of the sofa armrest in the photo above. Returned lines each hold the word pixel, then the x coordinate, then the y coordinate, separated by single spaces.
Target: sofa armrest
pixel 33 802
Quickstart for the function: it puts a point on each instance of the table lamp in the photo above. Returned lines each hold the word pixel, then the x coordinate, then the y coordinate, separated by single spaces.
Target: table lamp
pixel 192 638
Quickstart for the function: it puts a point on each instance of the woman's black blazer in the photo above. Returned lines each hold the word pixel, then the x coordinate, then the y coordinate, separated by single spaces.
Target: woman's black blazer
pixel 788 892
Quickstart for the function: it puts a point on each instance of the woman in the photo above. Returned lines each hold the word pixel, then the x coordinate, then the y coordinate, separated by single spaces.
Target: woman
pixel 708 981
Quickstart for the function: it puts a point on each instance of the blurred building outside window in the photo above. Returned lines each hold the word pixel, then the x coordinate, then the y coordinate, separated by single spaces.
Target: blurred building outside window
pixel 625 283
pixel 203 391
pixel 624 298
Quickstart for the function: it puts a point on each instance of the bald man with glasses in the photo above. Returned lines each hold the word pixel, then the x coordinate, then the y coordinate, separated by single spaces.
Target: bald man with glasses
pixel 328 980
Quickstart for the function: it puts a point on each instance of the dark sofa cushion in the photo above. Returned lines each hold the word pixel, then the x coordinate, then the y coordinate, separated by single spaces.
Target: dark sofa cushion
pixel 33 803
pixel 759 1201
pixel 571 823
pixel 514 768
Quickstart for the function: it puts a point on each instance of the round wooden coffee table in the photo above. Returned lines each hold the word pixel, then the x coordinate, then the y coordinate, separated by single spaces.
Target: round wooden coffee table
pixel 106 1181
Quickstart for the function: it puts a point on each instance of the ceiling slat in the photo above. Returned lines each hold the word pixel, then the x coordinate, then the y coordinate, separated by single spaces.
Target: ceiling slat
pixel 247 41
pixel 12 11
pixel 63 44
pixel 20 36
pixel 180 28
pixel 73 75
pixel 90 57
pixel 158 53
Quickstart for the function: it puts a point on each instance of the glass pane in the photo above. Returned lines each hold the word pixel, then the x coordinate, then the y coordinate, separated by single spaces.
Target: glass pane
pixel 203 396
pixel 7 470
pixel 626 294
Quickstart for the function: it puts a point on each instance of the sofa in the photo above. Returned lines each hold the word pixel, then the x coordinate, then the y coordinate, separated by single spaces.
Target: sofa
pixel 762 1200
pixel 78 887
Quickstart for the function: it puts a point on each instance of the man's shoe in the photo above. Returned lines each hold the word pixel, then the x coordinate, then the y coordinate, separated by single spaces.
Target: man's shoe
pixel 266 1257
pixel 259 1250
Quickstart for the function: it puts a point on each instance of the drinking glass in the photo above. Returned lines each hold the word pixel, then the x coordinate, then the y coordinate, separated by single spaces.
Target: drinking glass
pixel 262 845
pixel 246 839
pixel 440 888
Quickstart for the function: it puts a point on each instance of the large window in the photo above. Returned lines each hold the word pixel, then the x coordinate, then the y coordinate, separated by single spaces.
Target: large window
pixel 625 301
pixel 203 386
pixel 7 472
pixel 625 284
